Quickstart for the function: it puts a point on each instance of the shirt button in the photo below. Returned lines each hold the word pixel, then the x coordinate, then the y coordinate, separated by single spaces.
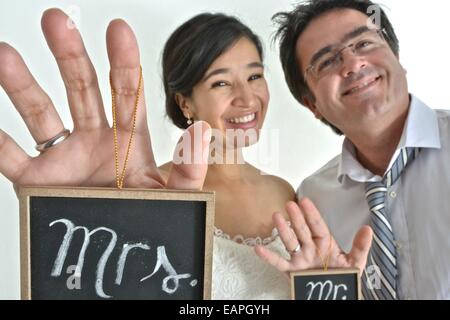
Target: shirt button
pixel 398 245
pixel 393 195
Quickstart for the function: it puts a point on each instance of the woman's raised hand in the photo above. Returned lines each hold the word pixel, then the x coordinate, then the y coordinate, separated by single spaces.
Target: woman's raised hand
pixel 86 157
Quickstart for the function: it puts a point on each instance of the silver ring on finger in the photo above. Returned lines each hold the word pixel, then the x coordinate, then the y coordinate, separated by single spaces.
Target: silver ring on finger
pixel 296 249
pixel 60 137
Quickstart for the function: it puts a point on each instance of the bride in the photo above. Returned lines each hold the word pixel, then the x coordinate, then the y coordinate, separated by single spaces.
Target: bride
pixel 213 71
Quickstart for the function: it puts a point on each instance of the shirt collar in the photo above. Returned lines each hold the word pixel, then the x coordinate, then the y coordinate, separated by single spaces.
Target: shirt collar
pixel 421 130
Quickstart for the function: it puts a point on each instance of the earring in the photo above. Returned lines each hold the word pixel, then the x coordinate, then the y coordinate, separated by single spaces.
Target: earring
pixel 189 121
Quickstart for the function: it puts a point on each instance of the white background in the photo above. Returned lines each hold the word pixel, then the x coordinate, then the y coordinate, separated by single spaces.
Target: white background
pixel 304 143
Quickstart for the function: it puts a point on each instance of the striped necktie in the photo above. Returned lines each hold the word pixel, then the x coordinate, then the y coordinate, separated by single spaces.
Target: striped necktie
pixel 380 275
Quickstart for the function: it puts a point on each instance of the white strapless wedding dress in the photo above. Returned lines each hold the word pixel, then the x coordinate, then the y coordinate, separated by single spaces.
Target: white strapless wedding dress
pixel 238 273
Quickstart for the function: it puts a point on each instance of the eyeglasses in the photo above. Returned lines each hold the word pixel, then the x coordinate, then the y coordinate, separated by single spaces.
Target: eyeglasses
pixel 364 45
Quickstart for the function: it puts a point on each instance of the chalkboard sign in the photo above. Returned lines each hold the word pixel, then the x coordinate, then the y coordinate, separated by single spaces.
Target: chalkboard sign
pixel 80 243
pixel 326 285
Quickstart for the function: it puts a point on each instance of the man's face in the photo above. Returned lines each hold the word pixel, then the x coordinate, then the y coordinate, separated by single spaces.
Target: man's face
pixel 362 87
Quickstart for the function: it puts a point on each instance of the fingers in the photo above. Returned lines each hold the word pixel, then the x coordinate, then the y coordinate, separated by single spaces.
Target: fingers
pixel 299 225
pixel 76 69
pixel 361 247
pixel 288 236
pixel 190 160
pixel 30 100
pixel 123 53
pixel 272 258
pixel 317 226
pixel 13 159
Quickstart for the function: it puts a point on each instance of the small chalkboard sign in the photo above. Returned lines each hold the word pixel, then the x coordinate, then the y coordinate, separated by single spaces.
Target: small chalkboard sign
pixel 81 243
pixel 326 285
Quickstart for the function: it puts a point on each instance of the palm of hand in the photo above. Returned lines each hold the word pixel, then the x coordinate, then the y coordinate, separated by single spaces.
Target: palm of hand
pixel 86 157
pixel 319 249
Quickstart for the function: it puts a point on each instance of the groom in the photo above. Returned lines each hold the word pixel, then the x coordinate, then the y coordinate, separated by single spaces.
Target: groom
pixel 341 61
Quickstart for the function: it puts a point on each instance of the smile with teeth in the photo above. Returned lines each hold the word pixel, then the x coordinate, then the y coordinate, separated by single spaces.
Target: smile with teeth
pixel 362 86
pixel 245 119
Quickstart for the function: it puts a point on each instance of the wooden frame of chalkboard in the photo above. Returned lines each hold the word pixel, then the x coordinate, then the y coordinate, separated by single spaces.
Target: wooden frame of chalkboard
pixel 31 197
pixel 329 274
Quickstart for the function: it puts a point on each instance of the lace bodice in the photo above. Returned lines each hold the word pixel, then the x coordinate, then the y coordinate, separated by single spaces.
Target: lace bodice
pixel 238 273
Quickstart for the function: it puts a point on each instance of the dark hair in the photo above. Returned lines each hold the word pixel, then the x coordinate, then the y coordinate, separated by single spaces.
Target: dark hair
pixel 292 24
pixel 192 48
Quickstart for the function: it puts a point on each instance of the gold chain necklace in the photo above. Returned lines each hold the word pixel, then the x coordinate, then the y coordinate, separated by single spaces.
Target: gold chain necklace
pixel 120 178
pixel 326 260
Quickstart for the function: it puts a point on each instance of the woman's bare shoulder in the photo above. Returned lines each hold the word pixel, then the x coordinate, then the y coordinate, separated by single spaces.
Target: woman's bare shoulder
pixel 282 185
pixel 275 183
pixel 278 186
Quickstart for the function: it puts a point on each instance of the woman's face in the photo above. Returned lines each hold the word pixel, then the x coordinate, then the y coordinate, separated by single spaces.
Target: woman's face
pixel 233 95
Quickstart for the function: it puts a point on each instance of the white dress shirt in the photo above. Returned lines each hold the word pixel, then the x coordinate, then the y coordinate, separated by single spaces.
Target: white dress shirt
pixel 418 204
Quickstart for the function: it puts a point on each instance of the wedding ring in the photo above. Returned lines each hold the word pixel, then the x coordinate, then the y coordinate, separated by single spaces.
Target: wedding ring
pixel 297 249
pixel 60 137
